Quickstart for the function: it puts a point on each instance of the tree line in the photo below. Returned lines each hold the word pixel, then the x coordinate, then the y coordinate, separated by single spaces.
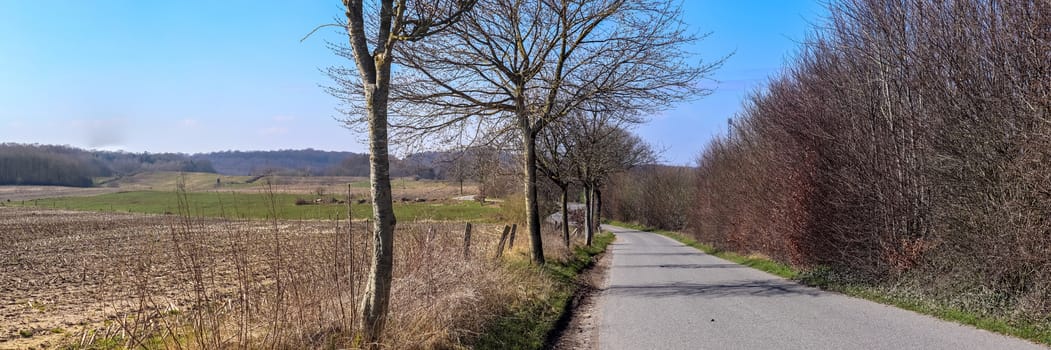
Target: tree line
pixel 480 71
pixel 908 145
pixel 311 162
pixel 31 164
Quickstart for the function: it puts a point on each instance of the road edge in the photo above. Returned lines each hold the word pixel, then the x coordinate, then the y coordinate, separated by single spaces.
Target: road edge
pixel 577 327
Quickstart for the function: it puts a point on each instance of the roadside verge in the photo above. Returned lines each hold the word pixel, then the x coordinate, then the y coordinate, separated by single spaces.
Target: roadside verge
pixel 536 324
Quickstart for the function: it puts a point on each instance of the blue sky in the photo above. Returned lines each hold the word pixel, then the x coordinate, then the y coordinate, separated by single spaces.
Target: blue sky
pixel 199 76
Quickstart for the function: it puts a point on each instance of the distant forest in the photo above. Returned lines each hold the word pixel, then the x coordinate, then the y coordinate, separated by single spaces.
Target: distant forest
pixel 310 162
pixel 32 164
pixel 22 164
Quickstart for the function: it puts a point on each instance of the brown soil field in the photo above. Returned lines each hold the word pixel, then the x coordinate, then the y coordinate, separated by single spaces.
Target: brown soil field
pixel 71 277
pixel 26 193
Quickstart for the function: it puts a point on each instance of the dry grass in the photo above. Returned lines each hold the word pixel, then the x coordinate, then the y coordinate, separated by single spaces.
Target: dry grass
pixel 92 279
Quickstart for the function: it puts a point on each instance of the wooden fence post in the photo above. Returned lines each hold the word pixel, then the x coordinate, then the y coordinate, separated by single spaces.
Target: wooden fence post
pixel 511 242
pixel 467 242
pixel 503 239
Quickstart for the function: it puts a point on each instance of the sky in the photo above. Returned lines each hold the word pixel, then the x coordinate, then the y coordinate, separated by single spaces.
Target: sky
pixel 202 76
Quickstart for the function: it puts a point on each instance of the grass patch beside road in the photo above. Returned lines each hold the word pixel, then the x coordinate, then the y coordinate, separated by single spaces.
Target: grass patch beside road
pixel 821 278
pixel 258 206
pixel 530 324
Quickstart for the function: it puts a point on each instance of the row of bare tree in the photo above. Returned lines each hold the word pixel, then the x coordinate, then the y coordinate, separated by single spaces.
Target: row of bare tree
pixel 492 69
pixel 910 143
pixel 653 195
pixel 587 149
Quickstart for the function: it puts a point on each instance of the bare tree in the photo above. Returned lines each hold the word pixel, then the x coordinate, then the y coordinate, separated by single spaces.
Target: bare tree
pixel 367 93
pixel 602 147
pixel 555 161
pixel 519 65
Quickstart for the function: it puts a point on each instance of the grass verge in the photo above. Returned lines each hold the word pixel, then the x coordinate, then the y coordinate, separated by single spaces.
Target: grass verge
pixel 1034 331
pixel 530 324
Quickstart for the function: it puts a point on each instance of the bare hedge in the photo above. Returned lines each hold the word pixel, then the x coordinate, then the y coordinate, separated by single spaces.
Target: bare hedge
pixel 909 144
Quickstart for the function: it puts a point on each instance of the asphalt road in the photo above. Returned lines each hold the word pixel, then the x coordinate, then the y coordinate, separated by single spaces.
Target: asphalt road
pixel 661 294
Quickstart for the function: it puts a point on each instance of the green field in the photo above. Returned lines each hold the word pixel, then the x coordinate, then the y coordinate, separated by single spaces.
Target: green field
pixel 259 206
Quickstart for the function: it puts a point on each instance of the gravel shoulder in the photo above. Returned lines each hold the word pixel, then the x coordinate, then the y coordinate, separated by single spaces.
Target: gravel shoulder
pixel 582 329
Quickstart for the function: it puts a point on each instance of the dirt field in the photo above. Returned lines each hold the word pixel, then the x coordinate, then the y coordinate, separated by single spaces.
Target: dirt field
pixel 53 266
pixel 67 277
pixel 27 193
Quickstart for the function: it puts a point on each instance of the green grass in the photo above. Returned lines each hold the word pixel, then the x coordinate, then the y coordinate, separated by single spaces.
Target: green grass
pixel 529 324
pixel 818 277
pixel 1034 331
pixel 258 206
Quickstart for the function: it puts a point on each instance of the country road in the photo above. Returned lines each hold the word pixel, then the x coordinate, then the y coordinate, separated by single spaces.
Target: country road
pixel 661 294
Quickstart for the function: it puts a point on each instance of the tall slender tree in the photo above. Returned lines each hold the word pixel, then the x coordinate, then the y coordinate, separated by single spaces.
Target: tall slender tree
pixel 371 47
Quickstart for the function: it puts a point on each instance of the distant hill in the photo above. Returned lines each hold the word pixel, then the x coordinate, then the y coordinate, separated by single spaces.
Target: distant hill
pixel 308 161
pixel 32 164
pixel 48 165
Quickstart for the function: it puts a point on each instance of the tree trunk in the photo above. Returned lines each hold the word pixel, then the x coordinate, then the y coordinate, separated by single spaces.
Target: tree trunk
pixel 598 209
pixel 532 206
pixel 565 215
pixel 376 299
pixel 588 216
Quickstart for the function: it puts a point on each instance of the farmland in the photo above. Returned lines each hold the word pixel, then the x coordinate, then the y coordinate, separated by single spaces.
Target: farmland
pixel 81 278
pixel 263 265
pixel 290 197
pixel 259 205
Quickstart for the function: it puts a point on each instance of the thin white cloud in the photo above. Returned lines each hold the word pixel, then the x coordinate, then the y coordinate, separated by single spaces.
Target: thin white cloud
pixel 189 123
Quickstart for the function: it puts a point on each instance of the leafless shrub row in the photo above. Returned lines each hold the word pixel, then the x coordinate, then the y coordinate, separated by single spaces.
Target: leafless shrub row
pixel 655 196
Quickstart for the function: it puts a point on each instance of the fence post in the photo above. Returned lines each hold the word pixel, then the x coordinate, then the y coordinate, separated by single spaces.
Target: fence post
pixel 511 242
pixel 503 239
pixel 467 242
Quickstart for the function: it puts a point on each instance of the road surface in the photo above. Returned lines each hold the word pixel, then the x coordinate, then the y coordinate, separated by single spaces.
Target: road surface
pixel 661 294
